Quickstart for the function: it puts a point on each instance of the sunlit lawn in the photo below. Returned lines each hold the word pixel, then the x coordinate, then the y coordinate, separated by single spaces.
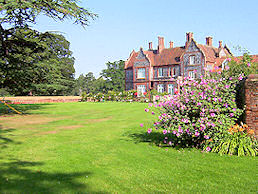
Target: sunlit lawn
pixel 99 147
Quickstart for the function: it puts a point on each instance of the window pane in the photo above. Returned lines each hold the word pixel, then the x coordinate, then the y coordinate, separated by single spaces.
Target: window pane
pixel 141 73
pixel 191 74
pixel 160 72
pixel 171 89
pixel 140 90
pixel 160 88
pixel 192 60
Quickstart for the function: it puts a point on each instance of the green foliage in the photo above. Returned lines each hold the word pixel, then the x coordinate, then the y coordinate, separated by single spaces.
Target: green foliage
pixel 114 76
pixel 243 67
pixel 84 84
pixel 36 62
pixel 239 141
pixel 111 79
pixel 20 13
pixel 4 92
pixel 125 96
pixel 203 109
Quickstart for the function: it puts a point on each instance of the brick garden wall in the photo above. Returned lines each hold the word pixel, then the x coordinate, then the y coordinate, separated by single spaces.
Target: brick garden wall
pixel 42 99
pixel 251 101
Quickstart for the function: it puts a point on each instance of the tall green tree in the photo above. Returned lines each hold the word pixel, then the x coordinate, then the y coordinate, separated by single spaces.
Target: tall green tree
pixel 55 72
pixel 85 84
pixel 40 63
pixel 23 50
pixel 114 76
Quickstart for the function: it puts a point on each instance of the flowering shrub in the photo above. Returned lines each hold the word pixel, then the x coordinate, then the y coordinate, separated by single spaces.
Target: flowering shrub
pixel 239 141
pixel 125 96
pixel 202 111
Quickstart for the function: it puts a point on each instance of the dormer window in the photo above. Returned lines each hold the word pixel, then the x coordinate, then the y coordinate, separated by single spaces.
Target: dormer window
pixel 160 72
pixel 192 59
pixel 141 73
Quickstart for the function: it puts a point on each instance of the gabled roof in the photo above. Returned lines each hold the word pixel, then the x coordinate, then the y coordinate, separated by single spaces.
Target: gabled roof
pixel 168 56
pixel 212 53
pixel 209 52
pixel 131 59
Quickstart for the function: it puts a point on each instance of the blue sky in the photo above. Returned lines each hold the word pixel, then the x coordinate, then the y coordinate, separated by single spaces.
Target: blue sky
pixel 126 25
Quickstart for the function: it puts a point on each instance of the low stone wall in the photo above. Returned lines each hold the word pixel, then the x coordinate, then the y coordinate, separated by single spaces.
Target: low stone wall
pixel 41 99
pixel 251 102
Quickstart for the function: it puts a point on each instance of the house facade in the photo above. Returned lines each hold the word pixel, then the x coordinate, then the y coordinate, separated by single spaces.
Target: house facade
pixel 160 68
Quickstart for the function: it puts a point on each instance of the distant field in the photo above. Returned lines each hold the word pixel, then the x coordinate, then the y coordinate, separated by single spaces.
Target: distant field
pixel 99 148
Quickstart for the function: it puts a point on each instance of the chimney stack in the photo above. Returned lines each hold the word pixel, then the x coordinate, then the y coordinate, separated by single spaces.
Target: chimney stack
pixel 209 41
pixel 150 46
pixel 171 44
pixel 161 45
pixel 220 44
pixel 189 37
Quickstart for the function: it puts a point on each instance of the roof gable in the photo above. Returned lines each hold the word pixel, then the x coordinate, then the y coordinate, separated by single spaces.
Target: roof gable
pixel 141 55
pixel 192 47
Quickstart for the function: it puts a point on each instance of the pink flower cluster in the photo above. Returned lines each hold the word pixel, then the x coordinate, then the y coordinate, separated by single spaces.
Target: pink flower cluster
pixel 198 111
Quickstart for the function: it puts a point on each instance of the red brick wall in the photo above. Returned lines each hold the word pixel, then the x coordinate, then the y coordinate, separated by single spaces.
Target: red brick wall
pixel 251 101
pixel 42 99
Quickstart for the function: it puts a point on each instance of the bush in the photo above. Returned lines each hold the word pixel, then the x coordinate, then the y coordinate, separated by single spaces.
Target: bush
pixel 202 110
pixel 125 96
pixel 239 141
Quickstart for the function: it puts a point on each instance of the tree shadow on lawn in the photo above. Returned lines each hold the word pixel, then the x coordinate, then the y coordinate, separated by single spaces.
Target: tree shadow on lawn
pixel 17 177
pixel 23 108
pixel 4 140
pixel 155 138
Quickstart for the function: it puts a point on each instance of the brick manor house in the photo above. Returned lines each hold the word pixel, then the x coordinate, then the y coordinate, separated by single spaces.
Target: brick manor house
pixel 154 68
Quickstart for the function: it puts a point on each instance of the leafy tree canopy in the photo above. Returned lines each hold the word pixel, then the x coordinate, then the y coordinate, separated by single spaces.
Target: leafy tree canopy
pixel 22 12
pixel 114 75
pixel 37 62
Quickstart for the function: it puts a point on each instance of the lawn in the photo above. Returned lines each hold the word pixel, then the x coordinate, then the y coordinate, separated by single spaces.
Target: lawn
pixel 100 148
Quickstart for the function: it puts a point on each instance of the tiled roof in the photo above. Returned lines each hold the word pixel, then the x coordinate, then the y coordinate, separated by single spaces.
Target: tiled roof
pixel 209 52
pixel 169 56
pixel 254 58
pixel 219 61
pixel 130 61
pixel 166 57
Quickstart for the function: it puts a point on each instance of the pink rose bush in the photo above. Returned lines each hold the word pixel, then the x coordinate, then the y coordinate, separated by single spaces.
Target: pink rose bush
pixel 199 114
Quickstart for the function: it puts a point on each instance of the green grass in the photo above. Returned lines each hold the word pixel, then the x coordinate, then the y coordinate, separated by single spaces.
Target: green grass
pixel 100 148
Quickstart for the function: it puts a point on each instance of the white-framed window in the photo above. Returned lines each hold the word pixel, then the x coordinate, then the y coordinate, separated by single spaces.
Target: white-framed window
pixel 161 88
pixel 192 60
pixel 171 89
pixel 160 72
pixel 141 73
pixel 172 71
pixel 191 74
pixel 140 90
